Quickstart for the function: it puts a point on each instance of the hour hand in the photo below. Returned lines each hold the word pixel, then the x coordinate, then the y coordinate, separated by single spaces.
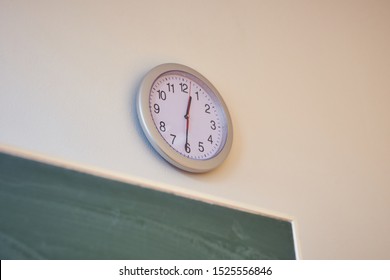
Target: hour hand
pixel 187 115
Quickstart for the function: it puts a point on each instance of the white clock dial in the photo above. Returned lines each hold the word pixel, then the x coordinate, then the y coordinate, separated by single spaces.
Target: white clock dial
pixel 184 118
pixel 186 115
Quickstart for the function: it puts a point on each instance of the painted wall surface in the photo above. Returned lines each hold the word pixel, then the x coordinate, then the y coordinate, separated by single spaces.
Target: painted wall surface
pixel 307 84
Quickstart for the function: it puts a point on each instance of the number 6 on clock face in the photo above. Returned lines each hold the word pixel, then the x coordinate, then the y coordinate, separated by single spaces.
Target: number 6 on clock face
pixel 184 118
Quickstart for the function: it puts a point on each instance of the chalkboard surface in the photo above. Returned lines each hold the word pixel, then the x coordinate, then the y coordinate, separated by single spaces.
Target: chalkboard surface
pixel 48 212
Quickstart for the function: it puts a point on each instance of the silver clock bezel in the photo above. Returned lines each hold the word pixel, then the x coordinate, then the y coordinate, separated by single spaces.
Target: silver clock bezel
pixel 157 140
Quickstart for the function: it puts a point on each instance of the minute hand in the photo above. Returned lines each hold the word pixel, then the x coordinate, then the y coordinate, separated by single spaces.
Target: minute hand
pixel 187 117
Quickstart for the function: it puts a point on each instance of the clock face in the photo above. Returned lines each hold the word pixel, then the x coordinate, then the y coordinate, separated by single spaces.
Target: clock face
pixel 184 118
pixel 187 115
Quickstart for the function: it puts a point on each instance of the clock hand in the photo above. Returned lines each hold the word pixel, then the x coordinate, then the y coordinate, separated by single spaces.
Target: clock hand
pixel 187 117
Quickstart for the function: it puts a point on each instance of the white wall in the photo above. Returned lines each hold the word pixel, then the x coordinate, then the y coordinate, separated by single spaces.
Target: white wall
pixel 307 84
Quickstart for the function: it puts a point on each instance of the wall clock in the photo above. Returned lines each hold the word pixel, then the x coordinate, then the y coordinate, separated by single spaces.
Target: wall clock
pixel 184 118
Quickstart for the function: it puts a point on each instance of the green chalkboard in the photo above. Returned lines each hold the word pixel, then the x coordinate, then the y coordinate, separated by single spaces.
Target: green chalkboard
pixel 48 212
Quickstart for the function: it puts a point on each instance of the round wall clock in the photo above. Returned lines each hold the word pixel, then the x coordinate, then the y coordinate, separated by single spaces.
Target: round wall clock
pixel 184 118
